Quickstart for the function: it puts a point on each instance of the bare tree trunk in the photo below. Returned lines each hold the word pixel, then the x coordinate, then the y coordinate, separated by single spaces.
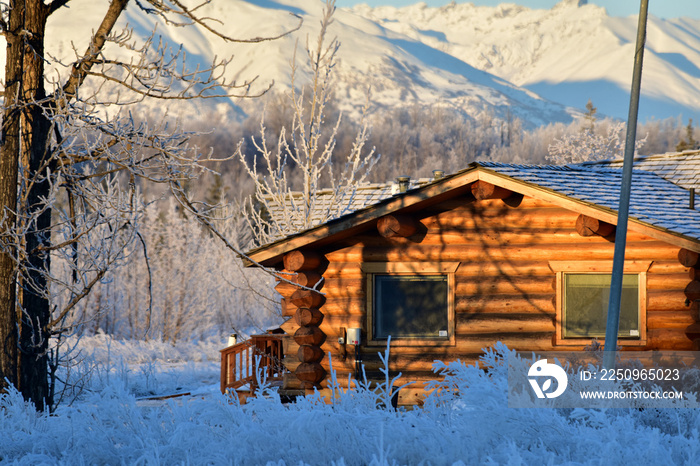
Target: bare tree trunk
pixel 35 155
pixel 9 163
pixel 25 141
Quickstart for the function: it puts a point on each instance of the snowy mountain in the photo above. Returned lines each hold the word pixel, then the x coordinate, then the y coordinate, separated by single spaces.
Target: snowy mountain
pixel 497 60
pixel 401 70
pixel 568 54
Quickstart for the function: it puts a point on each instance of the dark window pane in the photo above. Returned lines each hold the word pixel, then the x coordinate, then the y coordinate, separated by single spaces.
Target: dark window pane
pixel 586 305
pixel 410 306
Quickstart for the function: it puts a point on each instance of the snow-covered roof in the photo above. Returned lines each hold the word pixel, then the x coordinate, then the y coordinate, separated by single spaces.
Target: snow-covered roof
pixel 361 196
pixel 656 204
pixel 653 199
pixel 681 168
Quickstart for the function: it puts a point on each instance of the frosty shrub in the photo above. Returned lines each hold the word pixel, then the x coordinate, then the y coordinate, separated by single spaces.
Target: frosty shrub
pixel 465 420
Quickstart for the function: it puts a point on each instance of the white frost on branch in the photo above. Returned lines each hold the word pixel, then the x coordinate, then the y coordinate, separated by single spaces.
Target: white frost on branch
pixel 587 145
pixel 278 208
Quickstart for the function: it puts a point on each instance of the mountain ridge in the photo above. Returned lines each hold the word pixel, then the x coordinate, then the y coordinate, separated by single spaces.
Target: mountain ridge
pixel 568 54
pixel 507 61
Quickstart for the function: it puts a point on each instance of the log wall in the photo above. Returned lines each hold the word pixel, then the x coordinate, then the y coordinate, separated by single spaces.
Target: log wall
pixel 504 286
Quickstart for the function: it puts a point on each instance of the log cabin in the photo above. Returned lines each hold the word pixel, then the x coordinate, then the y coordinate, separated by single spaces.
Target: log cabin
pixel 520 254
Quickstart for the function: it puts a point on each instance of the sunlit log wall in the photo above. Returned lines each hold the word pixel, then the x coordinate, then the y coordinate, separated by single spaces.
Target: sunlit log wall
pixel 504 286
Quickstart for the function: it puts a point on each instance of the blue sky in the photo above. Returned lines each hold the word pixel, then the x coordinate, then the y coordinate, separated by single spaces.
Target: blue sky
pixel 659 8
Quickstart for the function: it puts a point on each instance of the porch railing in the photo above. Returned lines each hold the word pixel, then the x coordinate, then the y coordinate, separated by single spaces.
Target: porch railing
pixel 240 362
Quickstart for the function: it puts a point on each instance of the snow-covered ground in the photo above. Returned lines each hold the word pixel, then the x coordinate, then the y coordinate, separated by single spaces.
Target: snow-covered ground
pixel 469 423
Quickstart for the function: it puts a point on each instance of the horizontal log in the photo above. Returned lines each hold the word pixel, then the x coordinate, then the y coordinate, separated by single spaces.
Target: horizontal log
pixel 343 269
pixel 589 226
pixel 290 347
pixel 352 288
pixel 310 372
pixel 688 258
pixel 507 222
pixel 522 269
pixel 514 221
pixel 459 203
pixel 291 362
pixel 437 352
pixel 668 339
pixel 331 325
pixel 521 342
pixel 289 326
pixel 309 279
pixel 668 282
pixel 482 190
pixel 286 289
pixel 485 247
pixel 309 353
pixel 301 261
pixel 669 319
pixel 343 306
pixel 288 309
pixel 662 300
pixel 310 335
pixel 519 323
pixel 666 267
pixel 469 238
pixel 652 250
pixel 397 225
pixel 535 304
pixel 505 285
pixel 342 281
pixel 308 316
pixel 692 291
pixel 306 298
pixel 496 214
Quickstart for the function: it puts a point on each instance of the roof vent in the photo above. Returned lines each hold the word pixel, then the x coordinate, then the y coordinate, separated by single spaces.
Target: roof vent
pixel 403 182
pixel 437 174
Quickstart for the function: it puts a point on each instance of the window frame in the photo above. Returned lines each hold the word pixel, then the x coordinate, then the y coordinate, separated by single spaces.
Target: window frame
pixel 447 269
pixel 639 268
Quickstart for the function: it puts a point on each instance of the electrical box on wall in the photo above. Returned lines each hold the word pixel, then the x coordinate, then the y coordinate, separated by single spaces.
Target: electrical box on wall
pixel 354 336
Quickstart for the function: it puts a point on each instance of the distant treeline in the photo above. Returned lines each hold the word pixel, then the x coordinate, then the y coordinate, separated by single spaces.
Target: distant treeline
pixel 414 141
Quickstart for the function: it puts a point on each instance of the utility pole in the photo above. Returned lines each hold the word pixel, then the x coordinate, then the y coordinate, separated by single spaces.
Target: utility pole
pixel 613 323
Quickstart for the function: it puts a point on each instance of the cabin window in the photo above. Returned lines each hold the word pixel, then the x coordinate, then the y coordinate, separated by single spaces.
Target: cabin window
pixel 412 303
pixel 583 291
pixel 410 306
pixel 585 310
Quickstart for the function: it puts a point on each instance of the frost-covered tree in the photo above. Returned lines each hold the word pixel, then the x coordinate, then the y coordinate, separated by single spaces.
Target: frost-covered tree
pixel 280 207
pixel 177 285
pixel 588 145
pixel 73 155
